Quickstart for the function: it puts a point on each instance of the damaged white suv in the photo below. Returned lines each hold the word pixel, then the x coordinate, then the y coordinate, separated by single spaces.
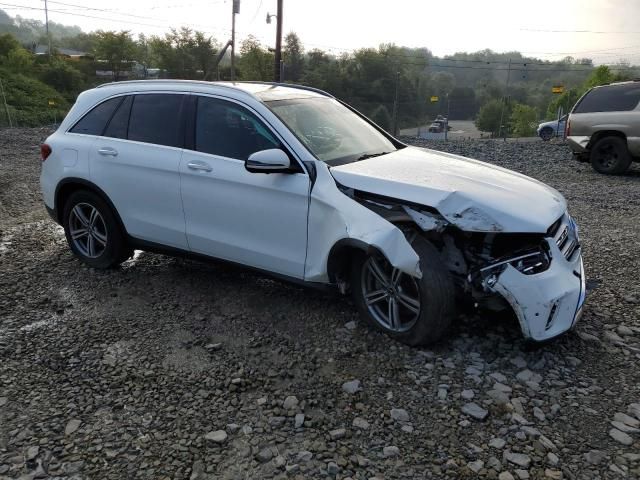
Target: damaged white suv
pixel 292 181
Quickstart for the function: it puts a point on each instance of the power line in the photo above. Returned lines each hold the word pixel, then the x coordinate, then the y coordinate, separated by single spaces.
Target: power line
pixel 118 20
pixel 599 32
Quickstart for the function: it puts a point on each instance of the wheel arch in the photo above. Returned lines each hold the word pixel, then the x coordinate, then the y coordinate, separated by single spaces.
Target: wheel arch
pixel 68 186
pixel 341 256
pixel 596 137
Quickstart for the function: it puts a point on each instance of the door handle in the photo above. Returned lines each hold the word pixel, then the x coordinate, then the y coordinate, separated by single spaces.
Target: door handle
pixel 199 166
pixel 106 151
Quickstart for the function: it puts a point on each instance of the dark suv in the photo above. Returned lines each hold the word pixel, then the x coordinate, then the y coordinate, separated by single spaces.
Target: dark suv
pixel 604 127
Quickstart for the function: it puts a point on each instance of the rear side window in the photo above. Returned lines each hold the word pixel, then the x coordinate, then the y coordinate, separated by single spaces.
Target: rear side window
pixel 229 130
pixel 613 98
pixel 117 127
pixel 94 122
pixel 155 118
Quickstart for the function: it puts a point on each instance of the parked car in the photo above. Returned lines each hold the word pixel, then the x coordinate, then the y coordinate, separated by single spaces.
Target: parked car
pixel 290 181
pixel 439 125
pixel 436 127
pixel 553 128
pixel 604 127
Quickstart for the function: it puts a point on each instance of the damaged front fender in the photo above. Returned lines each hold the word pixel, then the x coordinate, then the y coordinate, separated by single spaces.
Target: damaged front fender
pixel 335 217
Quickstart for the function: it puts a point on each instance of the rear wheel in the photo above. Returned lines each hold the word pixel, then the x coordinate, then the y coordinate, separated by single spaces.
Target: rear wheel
pixel 92 231
pixel 610 155
pixel 415 311
pixel 546 134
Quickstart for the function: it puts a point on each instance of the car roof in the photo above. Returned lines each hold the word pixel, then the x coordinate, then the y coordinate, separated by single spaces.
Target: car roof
pixel 615 84
pixel 262 91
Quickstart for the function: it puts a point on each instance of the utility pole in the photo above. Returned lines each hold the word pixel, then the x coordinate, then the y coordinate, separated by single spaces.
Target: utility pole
pixel 46 22
pixel 235 8
pixel 446 124
pixel 504 104
pixel 395 106
pixel 277 68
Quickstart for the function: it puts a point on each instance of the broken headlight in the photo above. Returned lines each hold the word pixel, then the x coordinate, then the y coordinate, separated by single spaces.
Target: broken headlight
pixel 528 263
pixel 532 263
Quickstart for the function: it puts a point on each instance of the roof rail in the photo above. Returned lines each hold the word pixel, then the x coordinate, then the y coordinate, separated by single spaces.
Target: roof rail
pixel 288 85
pixel 226 84
pixel 155 80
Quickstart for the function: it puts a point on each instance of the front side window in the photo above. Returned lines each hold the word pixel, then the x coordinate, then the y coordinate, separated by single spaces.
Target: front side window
pixel 94 122
pixel 229 130
pixel 155 118
pixel 331 131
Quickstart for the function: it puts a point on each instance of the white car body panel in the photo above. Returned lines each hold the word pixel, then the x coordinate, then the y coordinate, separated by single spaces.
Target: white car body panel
pixel 250 218
pixel 288 224
pixel 472 195
pixel 143 183
pixel 333 217
pixel 549 303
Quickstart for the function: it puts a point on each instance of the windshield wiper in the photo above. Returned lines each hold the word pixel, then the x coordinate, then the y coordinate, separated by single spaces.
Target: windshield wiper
pixel 371 155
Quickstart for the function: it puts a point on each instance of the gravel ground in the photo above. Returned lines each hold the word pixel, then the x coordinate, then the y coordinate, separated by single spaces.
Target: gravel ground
pixel 168 368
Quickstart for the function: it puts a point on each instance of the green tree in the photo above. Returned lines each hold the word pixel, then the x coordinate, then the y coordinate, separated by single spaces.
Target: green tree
pixel 488 119
pixel 293 56
pixel 184 53
pixel 523 120
pixel 255 62
pixel 117 49
pixel 382 117
pixel 60 75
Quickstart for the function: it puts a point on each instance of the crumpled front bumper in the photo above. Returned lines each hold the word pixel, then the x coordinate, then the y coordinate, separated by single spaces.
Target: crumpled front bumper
pixel 548 303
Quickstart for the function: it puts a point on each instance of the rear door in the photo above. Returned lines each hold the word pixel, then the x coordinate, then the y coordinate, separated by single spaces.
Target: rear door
pixel 136 162
pixel 255 219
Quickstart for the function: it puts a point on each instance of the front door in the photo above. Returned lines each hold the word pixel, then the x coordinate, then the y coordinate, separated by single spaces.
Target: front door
pixel 255 219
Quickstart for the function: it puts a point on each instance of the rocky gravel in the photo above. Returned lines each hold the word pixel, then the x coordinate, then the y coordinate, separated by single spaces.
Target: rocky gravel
pixel 170 369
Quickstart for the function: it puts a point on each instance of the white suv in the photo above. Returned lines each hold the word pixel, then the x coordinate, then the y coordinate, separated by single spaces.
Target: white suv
pixel 292 181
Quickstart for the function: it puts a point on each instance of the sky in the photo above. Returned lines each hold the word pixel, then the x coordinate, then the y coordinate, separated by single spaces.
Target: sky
pixel 605 30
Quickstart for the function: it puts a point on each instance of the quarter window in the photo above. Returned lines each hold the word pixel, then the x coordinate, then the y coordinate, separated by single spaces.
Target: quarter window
pixel 155 118
pixel 94 122
pixel 117 127
pixel 226 129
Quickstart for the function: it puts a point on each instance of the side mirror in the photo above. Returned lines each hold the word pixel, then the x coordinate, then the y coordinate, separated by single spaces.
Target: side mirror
pixel 273 160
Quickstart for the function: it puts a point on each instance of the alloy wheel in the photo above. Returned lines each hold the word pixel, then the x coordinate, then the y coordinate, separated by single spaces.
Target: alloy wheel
pixel 392 297
pixel 88 230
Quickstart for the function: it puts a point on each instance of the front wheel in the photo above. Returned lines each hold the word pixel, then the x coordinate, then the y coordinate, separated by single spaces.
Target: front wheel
pixel 610 155
pixel 92 231
pixel 415 311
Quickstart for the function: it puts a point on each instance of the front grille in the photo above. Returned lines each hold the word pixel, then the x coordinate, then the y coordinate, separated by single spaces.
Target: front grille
pixel 566 236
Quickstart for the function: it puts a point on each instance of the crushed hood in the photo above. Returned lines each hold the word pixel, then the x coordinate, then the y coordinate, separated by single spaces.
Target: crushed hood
pixel 473 195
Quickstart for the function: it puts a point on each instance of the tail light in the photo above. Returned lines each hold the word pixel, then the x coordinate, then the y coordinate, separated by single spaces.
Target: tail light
pixel 567 129
pixel 45 151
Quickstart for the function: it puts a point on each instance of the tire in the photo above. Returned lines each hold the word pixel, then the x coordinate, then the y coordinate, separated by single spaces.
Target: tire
pixel 103 245
pixel 610 156
pixel 546 134
pixel 433 296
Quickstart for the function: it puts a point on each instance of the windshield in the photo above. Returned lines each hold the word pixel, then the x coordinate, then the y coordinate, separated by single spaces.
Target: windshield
pixel 332 132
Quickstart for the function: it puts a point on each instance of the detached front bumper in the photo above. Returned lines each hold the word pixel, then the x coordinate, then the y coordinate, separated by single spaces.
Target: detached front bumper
pixel 548 303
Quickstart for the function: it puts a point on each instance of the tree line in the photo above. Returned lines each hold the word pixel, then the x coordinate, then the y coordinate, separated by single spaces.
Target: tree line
pixel 466 85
